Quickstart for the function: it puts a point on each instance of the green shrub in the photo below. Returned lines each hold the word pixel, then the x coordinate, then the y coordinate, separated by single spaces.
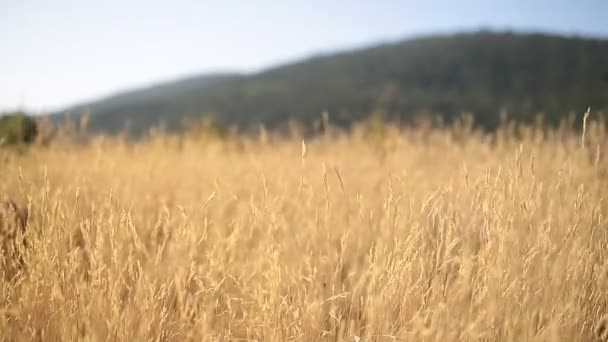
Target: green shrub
pixel 17 128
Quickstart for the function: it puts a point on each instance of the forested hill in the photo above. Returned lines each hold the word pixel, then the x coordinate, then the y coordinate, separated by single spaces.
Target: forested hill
pixel 484 73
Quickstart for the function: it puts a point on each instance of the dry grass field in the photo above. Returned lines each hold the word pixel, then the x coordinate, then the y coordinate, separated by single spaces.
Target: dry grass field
pixel 419 234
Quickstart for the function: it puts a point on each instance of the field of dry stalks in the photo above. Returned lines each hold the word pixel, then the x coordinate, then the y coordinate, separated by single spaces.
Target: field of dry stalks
pixel 412 235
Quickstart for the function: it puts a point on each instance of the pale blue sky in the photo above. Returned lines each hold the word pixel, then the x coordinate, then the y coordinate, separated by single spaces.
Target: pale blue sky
pixel 54 53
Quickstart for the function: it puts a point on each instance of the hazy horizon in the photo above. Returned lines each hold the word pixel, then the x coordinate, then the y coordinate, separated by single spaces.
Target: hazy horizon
pixel 77 52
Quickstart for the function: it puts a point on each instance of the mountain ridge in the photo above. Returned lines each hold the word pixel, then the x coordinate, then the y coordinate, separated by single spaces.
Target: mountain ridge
pixel 483 72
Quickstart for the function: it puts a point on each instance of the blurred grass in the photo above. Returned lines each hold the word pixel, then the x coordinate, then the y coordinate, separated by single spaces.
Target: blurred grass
pixel 416 234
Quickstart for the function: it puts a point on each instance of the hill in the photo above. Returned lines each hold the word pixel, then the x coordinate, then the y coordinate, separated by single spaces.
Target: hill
pixel 484 73
pixel 146 107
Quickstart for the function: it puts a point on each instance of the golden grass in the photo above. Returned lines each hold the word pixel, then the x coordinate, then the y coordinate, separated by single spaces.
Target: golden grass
pixel 418 235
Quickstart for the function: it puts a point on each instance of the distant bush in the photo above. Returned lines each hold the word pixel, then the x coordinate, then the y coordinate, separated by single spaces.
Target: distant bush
pixel 209 126
pixel 17 128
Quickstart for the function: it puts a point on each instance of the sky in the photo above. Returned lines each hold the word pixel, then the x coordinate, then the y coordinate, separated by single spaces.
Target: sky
pixel 55 53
